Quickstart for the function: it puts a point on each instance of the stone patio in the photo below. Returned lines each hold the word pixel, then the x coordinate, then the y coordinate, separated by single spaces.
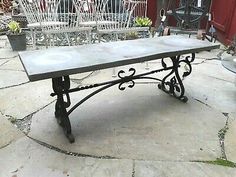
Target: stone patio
pixel 139 132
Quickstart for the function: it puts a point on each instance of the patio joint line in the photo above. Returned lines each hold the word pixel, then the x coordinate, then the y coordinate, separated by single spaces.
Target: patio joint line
pixel 69 152
pixel 4 58
pixel 221 79
pixel 201 102
pixel 107 157
pixel 5 69
pixel 25 123
pixel 4 63
pixel 205 60
pixel 133 168
pixel 7 115
pixel 1 113
pixel 11 86
pixel 81 79
pixel 4 146
pixel 221 134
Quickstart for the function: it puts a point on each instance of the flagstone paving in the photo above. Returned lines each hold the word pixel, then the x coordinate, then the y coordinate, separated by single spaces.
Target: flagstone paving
pixel 139 132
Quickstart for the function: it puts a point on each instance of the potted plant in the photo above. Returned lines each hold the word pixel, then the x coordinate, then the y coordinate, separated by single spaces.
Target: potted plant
pixel 16 37
pixel 143 22
pixel 131 36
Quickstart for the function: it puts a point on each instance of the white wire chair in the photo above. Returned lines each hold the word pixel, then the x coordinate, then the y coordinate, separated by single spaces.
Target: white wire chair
pixel 111 16
pixel 140 9
pixel 53 18
pixel 121 14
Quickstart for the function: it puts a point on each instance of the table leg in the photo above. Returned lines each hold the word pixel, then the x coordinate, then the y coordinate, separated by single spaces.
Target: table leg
pixel 172 83
pixel 61 86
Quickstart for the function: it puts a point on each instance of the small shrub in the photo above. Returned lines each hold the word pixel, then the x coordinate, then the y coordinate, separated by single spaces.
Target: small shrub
pixel 14 27
pixel 143 22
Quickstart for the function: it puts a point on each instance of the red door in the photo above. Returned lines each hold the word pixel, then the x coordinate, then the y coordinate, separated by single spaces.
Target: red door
pixel 152 10
pixel 224 19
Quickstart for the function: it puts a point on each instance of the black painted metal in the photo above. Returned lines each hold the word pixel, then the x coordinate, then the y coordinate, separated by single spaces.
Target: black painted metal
pixel 190 12
pixel 171 84
pixel 61 86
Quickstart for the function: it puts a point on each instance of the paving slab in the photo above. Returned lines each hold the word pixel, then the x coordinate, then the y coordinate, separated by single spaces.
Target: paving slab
pixel 3 37
pixel 138 123
pixel 13 64
pixel 12 78
pixel 3 42
pixel 212 85
pixel 9 133
pixel 215 70
pixel 141 123
pixel 198 61
pixel 25 99
pixel 3 61
pixel 25 158
pixel 181 169
pixel 208 54
pixel 7 53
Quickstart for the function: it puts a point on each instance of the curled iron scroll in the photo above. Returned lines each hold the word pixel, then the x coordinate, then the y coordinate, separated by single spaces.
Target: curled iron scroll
pixel 121 72
pixel 187 60
pixel 126 78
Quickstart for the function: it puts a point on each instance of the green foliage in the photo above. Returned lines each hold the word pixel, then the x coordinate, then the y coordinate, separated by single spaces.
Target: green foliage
pixel 143 22
pixel 132 35
pixel 223 162
pixel 14 27
pixel 219 161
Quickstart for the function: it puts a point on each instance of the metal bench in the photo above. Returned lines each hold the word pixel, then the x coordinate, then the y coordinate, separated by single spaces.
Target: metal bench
pixel 59 63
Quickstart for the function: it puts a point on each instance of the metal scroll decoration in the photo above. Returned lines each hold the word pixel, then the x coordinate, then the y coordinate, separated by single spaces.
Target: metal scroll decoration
pixel 61 86
pixel 172 83
pixel 126 79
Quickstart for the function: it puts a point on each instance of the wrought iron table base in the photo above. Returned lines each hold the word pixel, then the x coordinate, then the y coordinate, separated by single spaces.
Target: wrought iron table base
pixel 171 84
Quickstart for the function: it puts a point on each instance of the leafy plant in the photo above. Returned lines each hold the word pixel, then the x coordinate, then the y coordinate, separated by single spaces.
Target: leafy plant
pixel 132 35
pixel 14 27
pixel 143 22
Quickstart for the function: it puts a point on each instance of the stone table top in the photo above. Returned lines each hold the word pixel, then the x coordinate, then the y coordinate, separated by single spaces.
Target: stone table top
pixel 61 61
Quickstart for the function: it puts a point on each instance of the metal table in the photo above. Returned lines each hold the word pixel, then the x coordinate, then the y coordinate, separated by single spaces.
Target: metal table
pixel 58 63
pixel 229 64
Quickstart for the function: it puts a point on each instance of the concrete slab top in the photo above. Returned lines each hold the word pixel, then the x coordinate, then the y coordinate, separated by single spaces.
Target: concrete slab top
pixel 56 62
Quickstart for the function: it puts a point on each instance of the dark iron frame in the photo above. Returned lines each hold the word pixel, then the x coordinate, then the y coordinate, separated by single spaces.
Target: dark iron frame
pixel 187 7
pixel 171 84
